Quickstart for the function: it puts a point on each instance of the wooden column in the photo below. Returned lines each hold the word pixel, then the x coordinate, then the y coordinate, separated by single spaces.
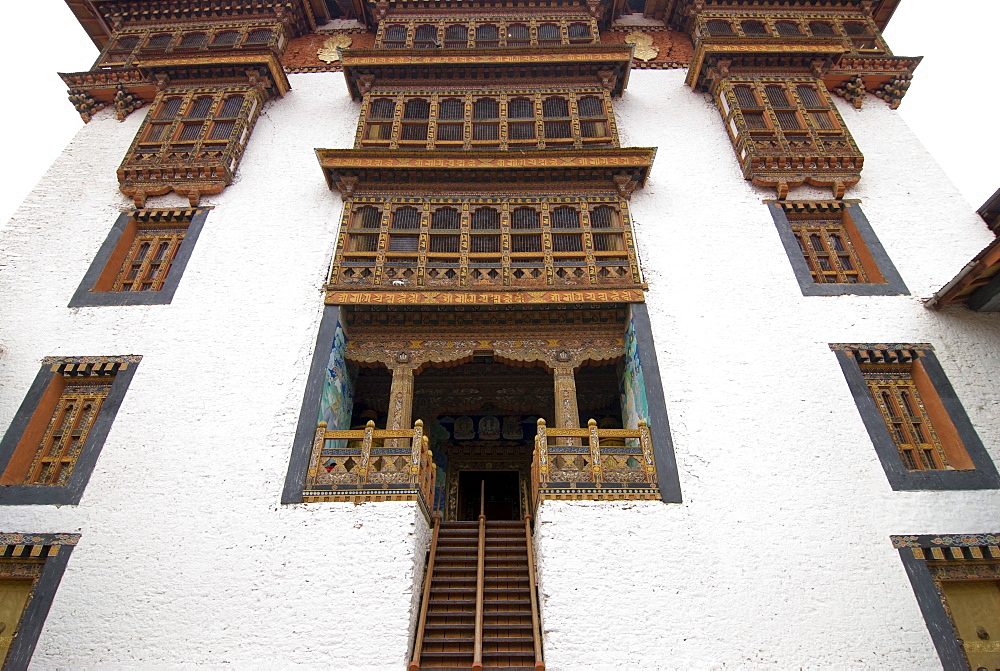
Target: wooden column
pixel 567 413
pixel 401 397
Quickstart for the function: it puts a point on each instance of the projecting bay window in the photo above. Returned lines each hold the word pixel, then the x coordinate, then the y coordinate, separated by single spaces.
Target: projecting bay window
pixel 485 34
pixel 190 142
pixel 515 242
pixel 524 119
pixel 857 33
pixel 137 44
pixel 786 131
pixel 920 430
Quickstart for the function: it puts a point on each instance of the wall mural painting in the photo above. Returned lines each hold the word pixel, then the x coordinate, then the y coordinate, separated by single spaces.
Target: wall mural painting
pixel 337 399
pixel 633 387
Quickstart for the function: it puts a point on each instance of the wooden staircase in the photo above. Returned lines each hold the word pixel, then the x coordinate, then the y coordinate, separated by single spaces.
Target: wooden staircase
pixel 479 610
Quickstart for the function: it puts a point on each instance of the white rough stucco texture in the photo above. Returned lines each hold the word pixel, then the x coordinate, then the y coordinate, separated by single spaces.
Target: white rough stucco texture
pixel 186 555
pixel 780 554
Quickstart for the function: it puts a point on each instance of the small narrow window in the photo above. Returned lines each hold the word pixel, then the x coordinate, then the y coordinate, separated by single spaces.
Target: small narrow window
pixel 754 28
pixel 226 38
pixel 381 108
pixel 367 217
pixel 603 216
pixel 788 29
pixel 821 29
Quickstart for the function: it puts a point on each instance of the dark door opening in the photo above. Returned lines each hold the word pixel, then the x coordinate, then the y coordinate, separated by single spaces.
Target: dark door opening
pixel 503 496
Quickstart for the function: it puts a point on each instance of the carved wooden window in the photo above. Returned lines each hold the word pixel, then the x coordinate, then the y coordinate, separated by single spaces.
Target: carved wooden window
pixel 124 44
pixel 185 119
pixel 754 28
pixel 259 36
pixel 394 36
pixel 226 38
pixel 159 41
pixel 549 33
pixel 822 29
pixel 579 33
pixel 919 429
pixel 425 37
pixel 149 257
pixel 487 35
pixel 788 28
pixel 719 27
pixel 67 405
pixel 501 120
pixel 829 251
pixel 584 241
pixel 518 35
pixel 456 37
pixel 860 34
pixel 193 41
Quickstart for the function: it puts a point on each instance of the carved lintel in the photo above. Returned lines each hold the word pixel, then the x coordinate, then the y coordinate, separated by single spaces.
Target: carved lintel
pixel 626 185
pixel 608 80
pixel 365 83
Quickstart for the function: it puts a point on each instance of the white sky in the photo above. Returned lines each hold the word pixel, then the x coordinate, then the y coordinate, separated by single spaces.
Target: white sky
pixel 949 104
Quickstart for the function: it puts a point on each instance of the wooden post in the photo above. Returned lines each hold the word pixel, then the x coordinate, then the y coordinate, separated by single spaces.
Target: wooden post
pixel 595 452
pixel 366 452
pixel 567 412
pixel 477 656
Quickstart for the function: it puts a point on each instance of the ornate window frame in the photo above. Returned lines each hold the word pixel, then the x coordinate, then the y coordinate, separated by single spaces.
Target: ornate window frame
pixel 883 278
pixel 27 429
pixel 948 417
pixel 929 558
pixel 97 286
pixel 42 559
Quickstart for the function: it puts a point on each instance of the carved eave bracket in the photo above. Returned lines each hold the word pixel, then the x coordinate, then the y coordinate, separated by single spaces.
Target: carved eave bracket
pixel 620 170
pixel 607 64
pixel 885 77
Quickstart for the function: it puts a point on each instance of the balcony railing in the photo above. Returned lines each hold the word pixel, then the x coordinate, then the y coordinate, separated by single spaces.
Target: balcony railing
pixel 593 463
pixel 370 465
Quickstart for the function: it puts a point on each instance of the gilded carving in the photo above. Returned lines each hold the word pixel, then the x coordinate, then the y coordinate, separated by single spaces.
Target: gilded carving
pixel 330 51
pixel 644 49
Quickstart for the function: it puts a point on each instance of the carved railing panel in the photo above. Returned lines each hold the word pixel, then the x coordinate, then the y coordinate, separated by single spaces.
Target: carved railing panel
pixel 593 463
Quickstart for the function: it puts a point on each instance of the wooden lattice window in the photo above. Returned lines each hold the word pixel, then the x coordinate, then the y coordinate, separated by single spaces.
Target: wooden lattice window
pixel 193 41
pixel 158 41
pixel 719 27
pixel 829 251
pixel 68 401
pixel 485 119
pixel 456 36
pixel 226 38
pixel 754 28
pixel 487 35
pixel 579 33
pixel 788 28
pixel 518 35
pixel 905 416
pixel 150 257
pixel 549 33
pixel 259 36
pixel 861 34
pixel 822 29
pixel 124 44
pixel 198 117
pixel 394 36
pixel 425 37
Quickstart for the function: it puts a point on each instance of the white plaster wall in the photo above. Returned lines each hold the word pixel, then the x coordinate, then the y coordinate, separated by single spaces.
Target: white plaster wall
pixel 186 556
pixel 780 554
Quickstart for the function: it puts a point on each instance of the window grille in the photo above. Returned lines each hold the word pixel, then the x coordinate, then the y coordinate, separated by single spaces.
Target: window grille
pixel 579 32
pixel 754 28
pixel 608 242
pixel 745 96
pixel 776 96
pixel 67 431
pixel 169 108
pixel 521 131
pixel 788 29
pixel 363 243
pixel 367 217
pixel 193 40
pixel 405 218
pixel 261 36
pixel 487 36
pixel 445 244
pixel 189 132
pixel 563 242
pixel 449 132
pixel 417 108
pixel 403 243
pixel 518 35
pixel 590 106
pixel 226 38
pixel 413 131
pixel 149 259
pixel 525 243
pixel 720 27
pixel 456 37
pixel 221 130
pixel 593 129
pixel 485 244
pixel 603 216
pixel 125 44
pixel 200 108
pixel 486 108
pixel 445 217
pixel 565 217
pixel 231 107
pixel 829 252
pixel 520 108
pixel 855 29
pixel 159 41
pixel 394 36
pixel 549 33
pixel 382 108
pixel 809 96
pixel 821 29
pixel 754 120
pixel 486 218
pixel 451 109
pixel 425 37
pixel 905 416
pixel 788 120
pixel 525 218
pixel 555 107
pixel 556 130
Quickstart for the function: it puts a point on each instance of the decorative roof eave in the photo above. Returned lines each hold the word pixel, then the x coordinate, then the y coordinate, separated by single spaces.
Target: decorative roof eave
pixel 620 169
pixel 608 63
pixel 990 212
pixel 677 12
pixel 596 8
pixel 710 52
pixel 130 88
pixel 311 13
pixel 885 77
pixel 977 285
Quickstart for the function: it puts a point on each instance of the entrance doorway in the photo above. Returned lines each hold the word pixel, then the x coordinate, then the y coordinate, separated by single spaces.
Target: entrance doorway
pixel 502 490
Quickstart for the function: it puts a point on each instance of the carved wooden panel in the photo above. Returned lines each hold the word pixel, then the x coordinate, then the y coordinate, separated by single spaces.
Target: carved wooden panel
pixel 483 31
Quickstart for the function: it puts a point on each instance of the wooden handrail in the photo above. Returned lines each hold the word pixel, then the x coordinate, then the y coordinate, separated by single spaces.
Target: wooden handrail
pixel 477 656
pixel 419 642
pixel 536 629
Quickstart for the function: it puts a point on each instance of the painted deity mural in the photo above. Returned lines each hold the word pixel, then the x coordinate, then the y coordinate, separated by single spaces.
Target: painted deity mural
pixel 633 386
pixel 337 399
